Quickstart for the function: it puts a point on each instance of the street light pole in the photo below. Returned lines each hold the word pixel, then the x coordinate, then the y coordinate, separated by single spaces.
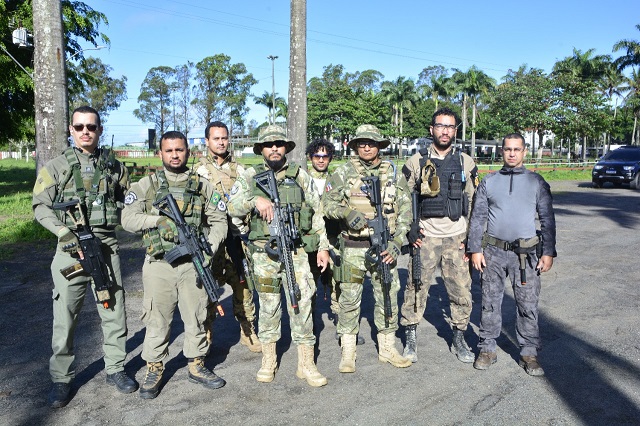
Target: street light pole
pixel 84 50
pixel 273 89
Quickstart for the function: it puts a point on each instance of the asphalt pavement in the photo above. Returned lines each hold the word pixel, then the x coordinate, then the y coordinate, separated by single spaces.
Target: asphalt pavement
pixel 588 320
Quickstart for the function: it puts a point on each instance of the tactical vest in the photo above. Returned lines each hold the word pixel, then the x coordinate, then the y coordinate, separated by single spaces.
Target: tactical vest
pixel 451 201
pixel 98 191
pixel 358 199
pixel 292 193
pixel 189 198
pixel 221 179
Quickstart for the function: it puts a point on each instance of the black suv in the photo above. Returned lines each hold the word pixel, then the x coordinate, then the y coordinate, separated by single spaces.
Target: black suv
pixel 618 166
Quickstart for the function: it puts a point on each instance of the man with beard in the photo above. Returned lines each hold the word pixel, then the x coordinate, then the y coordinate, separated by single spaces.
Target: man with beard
pixel 167 285
pixel 445 180
pixel 298 195
pixel 221 169
pixel 347 200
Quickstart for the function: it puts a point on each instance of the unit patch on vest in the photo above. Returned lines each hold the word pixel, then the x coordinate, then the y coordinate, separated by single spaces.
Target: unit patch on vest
pixel 222 206
pixel 88 169
pixel 130 198
pixel 328 187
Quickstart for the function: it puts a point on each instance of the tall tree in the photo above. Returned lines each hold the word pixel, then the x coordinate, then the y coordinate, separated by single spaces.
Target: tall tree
pixel 220 87
pixel 632 56
pixel 98 88
pixel 184 90
pixel 401 95
pixel 297 120
pixel 474 84
pixel 155 98
pixel 267 100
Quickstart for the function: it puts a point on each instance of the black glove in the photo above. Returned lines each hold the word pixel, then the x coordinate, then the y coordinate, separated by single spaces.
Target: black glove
pixel 167 229
pixel 355 219
pixel 414 233
pixel 67 241
pixel 393 249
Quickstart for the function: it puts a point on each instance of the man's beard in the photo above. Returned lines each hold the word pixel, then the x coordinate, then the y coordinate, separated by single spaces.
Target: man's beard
pixel 276 165
pixel 172 169
pixel 443 145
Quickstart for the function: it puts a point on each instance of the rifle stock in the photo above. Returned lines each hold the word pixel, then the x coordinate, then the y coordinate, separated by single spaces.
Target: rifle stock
pixel 193 244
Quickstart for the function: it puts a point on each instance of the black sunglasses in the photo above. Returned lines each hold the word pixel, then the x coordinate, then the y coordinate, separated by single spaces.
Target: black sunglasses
pixel 90 127
pixel 278 144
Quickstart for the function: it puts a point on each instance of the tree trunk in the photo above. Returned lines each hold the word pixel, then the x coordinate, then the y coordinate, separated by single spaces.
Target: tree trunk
pixel 297 120
pixel 464 117
pixel 473 129
pixel 49 81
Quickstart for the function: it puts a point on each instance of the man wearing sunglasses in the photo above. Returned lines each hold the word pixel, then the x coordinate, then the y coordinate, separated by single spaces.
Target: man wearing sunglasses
pixel 297 195
pixel 347 200
pixel 445 180
pixel 92 175
pixel 221 168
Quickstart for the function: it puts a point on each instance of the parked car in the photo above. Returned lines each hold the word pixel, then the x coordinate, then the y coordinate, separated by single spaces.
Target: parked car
pixel 618 166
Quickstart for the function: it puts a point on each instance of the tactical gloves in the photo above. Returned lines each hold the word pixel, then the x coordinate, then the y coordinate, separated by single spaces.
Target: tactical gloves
pixel 393 249
pixel 414 233
pixel 355 219
pixel 167 229
pixel 67 241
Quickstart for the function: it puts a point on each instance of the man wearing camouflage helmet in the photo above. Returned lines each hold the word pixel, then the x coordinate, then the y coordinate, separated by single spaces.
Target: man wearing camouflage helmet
pixel 297 194
pixel 346 200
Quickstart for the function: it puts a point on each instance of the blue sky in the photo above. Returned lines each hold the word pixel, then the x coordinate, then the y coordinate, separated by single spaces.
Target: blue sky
pixel 397 38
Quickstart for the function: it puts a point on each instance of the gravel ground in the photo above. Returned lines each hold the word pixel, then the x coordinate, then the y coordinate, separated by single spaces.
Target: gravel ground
pixel 589 326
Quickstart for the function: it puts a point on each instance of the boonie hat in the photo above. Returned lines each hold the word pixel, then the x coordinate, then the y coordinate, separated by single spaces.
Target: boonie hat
pixel 272 133
pixel 371 133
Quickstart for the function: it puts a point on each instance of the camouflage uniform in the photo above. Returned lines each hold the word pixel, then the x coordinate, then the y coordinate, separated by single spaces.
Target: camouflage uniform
pixel 56 182
pixel 269 273
pixel 506 205
pixel 169 285
pixel 342 188
pixel 223 177
pixel 441 247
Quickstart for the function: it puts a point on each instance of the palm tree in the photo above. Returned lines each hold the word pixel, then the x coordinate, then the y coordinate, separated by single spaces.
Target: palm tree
pixel 401 94
pixel 632 58
pixel 297 101
pixel 632 100
pixel 473 84
pixel 611 84
pixel 267 100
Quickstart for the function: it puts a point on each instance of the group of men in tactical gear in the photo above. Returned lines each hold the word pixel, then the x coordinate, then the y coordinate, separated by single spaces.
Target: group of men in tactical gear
pixel 276 228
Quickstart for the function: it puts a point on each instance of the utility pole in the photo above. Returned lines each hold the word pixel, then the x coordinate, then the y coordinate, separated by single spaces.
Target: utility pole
pixel 50 81
pixel 273 89
pixel 297 120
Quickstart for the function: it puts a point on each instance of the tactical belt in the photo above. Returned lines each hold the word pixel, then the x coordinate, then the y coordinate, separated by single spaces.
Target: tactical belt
pixel 356 242
pixel 521 243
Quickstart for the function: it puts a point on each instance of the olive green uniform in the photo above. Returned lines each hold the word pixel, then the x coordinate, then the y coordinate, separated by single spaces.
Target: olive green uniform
pixel 222 177
pixel 268 272
pixel 58 182
pixel 343 189
pixel 167 285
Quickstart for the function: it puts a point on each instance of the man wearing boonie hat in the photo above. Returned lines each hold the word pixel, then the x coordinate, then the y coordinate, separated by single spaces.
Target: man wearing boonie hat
pixel 297 194
pixel 345 200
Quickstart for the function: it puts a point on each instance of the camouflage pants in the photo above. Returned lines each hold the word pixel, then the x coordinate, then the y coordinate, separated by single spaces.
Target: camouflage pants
pixel 445 252
pixel 270 276
pixel 68 298
pixel 350 298
pixel 225 271
pixel 501 263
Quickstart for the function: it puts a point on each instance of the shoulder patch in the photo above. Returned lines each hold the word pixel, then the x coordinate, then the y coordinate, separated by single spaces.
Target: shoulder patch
pixel 130 198
pixel 328 187
pixel 43 181
pixel 235 188
pixel 215 197
pixel 222 206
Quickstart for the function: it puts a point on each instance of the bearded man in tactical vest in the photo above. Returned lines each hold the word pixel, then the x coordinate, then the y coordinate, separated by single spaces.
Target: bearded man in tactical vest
pixel 445 180
pixel 346 199
pixel 221 169
pixel 167 285
pixel 298 197
pixel 92 175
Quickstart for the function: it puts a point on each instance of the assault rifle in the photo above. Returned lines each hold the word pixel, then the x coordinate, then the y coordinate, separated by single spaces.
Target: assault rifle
pixel 414 252
pixel 193 244
pixel 284 233
pixel 379 237
pixel 92 260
